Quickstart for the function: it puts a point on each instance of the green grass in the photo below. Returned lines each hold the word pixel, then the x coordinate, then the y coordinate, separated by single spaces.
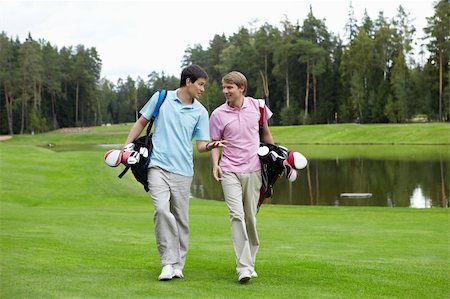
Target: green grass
pixel 398 134
pixel 108 251
pixel 341 134
pixel 71 229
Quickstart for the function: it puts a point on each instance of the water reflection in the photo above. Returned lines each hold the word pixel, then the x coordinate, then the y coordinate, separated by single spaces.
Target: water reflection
pixel 392 183
pixel 419 200
pixel 416 177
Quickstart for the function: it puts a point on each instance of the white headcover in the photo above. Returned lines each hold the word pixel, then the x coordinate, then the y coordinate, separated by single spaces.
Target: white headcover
pixel 113 158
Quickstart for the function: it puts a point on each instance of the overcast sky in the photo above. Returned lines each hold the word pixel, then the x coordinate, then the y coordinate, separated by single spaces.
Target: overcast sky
pixel 137 37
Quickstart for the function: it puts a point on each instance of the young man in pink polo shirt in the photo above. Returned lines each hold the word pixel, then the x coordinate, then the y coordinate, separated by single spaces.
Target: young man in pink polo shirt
pixel 239 170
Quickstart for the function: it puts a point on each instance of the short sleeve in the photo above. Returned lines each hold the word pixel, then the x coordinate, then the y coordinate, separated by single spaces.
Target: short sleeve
pixel 214 127
pixel 267 113
pixel 149 107
pixel 202 130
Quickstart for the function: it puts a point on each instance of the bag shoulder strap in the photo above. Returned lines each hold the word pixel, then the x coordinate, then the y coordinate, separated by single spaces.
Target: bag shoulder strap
pixel 262 104
pixel 123 172
pixel 161 98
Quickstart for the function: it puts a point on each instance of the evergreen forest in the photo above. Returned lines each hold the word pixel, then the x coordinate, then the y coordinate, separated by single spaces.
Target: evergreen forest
pixel 306 73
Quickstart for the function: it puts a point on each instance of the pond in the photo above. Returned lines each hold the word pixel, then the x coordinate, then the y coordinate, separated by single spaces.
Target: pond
pixel 350 175
pixel 386 176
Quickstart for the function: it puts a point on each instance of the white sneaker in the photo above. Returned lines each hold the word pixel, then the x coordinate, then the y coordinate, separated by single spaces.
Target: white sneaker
pixel 244 276
pixel 166 273
pixel 177 273
pixel 254 274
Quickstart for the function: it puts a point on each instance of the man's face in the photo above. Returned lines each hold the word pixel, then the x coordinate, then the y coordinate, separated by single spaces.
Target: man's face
pixel 197 88
pixel 232 91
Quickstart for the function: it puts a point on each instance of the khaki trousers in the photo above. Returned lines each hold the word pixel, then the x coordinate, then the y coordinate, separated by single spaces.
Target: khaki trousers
pixel 241 192
pixel 170 194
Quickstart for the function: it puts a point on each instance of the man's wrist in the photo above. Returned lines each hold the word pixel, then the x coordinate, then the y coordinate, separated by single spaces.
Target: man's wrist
pixel 207 146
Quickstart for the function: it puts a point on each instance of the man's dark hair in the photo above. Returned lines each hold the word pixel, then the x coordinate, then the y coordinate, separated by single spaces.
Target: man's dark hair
pixel 193 72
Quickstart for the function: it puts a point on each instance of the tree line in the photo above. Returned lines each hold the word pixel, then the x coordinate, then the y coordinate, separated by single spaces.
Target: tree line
pixel 306 73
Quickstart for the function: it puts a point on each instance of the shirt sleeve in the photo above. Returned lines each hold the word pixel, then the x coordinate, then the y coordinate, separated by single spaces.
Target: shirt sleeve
pixel 202 130
pixel 267 113
pixel 149 107
pixel 214 127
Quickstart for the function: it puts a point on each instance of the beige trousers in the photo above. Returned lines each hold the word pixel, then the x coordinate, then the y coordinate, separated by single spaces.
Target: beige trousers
pixel 241 192
pixel 170 193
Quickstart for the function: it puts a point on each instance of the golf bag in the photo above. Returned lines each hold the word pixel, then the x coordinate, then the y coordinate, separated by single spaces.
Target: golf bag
pixel 272 165
pixel 140 169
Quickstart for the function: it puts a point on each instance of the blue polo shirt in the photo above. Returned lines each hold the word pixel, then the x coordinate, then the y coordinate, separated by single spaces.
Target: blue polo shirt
pixel 175 127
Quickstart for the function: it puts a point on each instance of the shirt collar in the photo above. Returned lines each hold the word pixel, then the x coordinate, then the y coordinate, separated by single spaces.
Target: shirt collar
pixel 244 105
pixel 175 98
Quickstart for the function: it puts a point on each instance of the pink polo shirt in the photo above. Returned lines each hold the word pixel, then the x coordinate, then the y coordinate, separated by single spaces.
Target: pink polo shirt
pixel 240 128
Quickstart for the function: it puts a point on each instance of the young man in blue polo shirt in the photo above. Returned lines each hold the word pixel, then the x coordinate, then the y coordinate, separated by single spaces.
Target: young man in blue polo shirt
pixel 181 119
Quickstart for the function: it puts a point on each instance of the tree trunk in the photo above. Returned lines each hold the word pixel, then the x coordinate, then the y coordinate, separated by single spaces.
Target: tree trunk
pixel 307 89
pixel 360 113
pixel 315 92
pixel 34 96
pixel 136 115
pixel 265 81
pixel 440 84
pixel 99 120
pixel 76 103
pixel 287 83
pixel 9 114
pixel 266 87
pixel 55 119
pixel 22 121
pixel 39 99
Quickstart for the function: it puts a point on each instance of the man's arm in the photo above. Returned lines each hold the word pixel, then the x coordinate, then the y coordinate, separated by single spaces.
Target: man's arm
pixel 204 146
pixel 136 130
pixel 216 170
pixel 213 146
pixel 266 135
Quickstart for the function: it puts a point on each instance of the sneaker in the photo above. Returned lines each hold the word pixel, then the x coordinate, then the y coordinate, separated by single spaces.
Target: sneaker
pixel 254 274
pixel 177 273
pixel 166 273
pixel 244 276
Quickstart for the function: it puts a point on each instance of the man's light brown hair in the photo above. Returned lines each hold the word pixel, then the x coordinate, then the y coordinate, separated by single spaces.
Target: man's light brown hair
pixel 237 78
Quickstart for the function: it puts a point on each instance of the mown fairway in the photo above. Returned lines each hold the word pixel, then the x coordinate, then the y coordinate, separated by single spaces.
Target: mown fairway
pixel 71 229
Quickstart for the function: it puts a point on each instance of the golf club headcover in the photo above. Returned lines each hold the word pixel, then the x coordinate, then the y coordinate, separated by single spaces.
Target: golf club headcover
pixel 129 147
pixel 130 158
pixel 289 171
pixel 297 160
pixel 263 151
pixel 113 158
pixel 144 152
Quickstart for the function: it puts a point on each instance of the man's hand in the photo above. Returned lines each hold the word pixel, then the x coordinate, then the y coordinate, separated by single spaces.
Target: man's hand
pixel 217 173
pixel 215 144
